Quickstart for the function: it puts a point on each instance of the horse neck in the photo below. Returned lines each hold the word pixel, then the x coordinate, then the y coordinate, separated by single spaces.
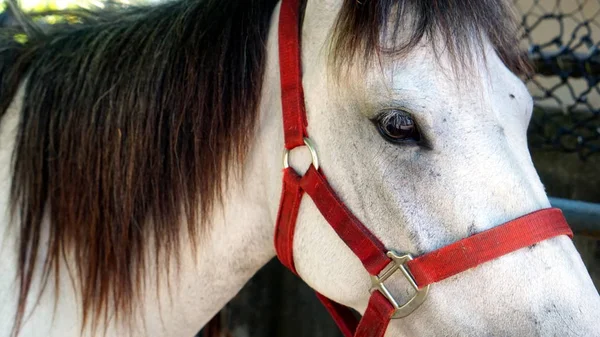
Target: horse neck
pixel 239 240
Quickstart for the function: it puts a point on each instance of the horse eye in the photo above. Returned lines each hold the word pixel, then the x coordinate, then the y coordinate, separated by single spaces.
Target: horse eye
pixel 398 126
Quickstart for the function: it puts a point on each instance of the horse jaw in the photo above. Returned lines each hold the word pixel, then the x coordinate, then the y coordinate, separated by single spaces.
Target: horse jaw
pixel 477 174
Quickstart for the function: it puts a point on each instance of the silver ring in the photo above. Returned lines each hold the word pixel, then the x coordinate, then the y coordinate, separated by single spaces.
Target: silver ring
pixel 313 153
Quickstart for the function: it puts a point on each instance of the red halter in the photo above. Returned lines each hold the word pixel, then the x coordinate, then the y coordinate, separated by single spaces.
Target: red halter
pixel 380 262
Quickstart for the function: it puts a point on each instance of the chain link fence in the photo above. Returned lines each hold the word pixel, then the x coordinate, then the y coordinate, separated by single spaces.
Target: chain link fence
pixel 561 38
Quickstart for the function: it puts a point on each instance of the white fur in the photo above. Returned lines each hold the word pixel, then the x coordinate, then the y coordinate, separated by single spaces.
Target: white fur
pixel 478 174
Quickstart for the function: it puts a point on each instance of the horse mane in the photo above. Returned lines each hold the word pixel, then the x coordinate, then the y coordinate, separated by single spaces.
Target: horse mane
pixel 130 122
pixel 132 119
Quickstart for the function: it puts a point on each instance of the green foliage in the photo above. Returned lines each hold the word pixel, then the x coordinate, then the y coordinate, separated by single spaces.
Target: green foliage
pixel 20 38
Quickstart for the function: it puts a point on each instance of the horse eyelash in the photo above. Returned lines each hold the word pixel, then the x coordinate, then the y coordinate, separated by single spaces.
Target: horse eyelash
pixel 391 114
pixel 386 115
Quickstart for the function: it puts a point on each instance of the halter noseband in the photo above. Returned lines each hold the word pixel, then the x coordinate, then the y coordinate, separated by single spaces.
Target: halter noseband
pixel 380 262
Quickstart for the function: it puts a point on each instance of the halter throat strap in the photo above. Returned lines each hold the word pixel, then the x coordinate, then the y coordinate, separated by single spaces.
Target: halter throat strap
pixel 380 262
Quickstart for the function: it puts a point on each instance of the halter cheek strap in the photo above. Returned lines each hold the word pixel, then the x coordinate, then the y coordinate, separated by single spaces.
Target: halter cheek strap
pixel 380 262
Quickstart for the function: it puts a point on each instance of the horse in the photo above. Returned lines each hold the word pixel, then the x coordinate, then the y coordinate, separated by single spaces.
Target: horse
pixel 141 168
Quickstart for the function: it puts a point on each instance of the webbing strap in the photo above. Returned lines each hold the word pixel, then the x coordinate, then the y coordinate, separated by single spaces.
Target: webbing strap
pixel 292 95
pixel 488 245
pixel 364 244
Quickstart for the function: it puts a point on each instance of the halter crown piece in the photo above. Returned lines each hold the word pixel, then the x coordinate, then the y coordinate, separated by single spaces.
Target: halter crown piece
pixel 380 262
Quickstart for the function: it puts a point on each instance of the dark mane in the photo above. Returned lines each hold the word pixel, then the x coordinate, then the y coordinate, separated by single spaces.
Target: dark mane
pixel 460 24
pixel 132 118
pixel 129 121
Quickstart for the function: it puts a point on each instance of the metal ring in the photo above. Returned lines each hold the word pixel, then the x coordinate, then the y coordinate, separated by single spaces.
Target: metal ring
pixel 377 284
pixel 313 153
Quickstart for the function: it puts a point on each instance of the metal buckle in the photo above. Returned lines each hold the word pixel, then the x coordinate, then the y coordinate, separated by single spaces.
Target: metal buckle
pixel 399 262
pixel 313 153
